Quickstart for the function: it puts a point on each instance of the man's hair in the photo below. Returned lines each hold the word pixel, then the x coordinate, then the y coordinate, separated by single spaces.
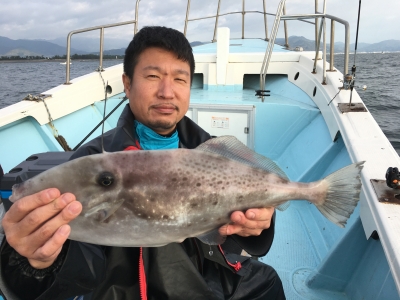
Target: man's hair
pixel 160 37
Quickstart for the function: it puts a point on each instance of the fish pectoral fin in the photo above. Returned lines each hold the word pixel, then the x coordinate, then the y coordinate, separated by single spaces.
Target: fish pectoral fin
pixel 103 211
pixel 212 237
pixel 283 206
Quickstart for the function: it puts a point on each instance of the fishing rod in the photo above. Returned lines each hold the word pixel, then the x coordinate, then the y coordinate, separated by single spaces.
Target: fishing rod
pixel 354 68
pixel 349 79
pixel 107 90
pixel 101 123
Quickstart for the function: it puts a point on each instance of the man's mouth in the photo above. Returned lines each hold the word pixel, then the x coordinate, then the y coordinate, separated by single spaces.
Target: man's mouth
pixel 165 108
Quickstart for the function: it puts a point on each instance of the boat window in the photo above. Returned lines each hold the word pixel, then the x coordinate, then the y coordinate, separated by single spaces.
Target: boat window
pixel 197 81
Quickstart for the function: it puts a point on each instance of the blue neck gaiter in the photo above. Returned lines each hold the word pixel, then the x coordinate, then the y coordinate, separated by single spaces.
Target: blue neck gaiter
pixel 150 140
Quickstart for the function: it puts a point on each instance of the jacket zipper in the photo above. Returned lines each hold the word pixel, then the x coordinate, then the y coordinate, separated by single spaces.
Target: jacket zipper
pixel 142 277
pixel 137 147
pixel 237 266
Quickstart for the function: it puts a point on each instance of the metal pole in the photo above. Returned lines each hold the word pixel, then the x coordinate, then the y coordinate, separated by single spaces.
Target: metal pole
pixel 270 46
pixel 324 54
pixel 341 21
pixel 265 22
pixel 346 48
pixel 243 9
pixel 100 69
pixel 332 48
pixel 86 30
pixel 68 57
pixel 323 20
pixel 187 17
pixel 285 27
pixel 136 17
pixel 316 27
pixel 324 48
pixel 318 44
pixel 216 22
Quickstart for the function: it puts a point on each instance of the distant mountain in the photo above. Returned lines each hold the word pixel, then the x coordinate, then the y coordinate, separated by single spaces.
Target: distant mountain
pixel 9 47
pixel 21 52
pixel 297 41
pixel 196 43
pixel 91 45
pixel 389 45
pixel 309 45
pixel 120 51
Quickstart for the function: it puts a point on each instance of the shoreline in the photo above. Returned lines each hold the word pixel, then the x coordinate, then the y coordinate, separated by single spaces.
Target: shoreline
pixel 52 60
pixel 121 59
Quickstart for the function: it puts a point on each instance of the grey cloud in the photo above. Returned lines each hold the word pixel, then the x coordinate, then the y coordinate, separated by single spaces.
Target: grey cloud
pixel 48 19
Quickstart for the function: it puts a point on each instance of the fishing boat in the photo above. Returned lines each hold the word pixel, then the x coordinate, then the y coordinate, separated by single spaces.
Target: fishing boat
pixel 289 105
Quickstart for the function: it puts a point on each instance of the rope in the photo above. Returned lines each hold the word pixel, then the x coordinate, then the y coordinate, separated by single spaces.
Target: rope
pixel 50 118
pixel 60 139
pixel 104 111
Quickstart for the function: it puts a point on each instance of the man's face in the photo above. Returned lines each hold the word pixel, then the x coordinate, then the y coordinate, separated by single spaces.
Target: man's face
pixel 160 90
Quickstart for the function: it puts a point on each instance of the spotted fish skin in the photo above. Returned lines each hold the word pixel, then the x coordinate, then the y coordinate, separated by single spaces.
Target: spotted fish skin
pixel 152 198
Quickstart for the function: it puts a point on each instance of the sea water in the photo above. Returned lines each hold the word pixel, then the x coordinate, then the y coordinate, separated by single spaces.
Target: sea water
pixel 380 72
pixel 18 79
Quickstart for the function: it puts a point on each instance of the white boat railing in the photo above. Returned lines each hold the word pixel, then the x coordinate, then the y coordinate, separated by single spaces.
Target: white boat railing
pixel 101 28
pixel 323 16
pixel 279 16
pixel 243 12
pixel 270 47
pixel 320 31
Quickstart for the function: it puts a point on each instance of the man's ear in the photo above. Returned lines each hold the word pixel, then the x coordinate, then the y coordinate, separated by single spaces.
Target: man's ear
pixel 126 82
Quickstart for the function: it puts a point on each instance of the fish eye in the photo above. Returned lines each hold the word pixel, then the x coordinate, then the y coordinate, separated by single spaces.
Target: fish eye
pixel 105 179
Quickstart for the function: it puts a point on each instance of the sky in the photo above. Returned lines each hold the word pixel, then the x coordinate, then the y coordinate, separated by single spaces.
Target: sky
pixel 49 19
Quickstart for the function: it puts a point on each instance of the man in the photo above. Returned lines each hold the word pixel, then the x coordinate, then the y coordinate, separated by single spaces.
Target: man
pixel 38 262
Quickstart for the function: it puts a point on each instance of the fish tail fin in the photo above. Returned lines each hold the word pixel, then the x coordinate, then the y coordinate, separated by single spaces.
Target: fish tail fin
pixel 343 193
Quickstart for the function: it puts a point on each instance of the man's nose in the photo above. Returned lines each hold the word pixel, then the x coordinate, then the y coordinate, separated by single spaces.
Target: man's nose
pixel 165 89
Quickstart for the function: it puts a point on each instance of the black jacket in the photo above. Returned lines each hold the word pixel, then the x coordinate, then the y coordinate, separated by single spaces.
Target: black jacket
pixel 174 271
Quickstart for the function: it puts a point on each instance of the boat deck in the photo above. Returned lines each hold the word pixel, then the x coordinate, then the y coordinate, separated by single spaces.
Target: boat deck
pixel 240 46
pixel 296 254
pixel 307 247
pixel 287 127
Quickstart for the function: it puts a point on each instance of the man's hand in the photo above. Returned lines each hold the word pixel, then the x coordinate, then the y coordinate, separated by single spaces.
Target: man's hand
pixel 36 226
pixel 253 222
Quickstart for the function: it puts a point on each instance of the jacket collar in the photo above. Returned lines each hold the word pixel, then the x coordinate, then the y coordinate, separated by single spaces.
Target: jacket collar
pixel 190 134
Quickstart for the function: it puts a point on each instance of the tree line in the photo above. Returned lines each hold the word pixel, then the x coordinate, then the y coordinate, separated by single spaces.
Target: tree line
pixel 58 57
